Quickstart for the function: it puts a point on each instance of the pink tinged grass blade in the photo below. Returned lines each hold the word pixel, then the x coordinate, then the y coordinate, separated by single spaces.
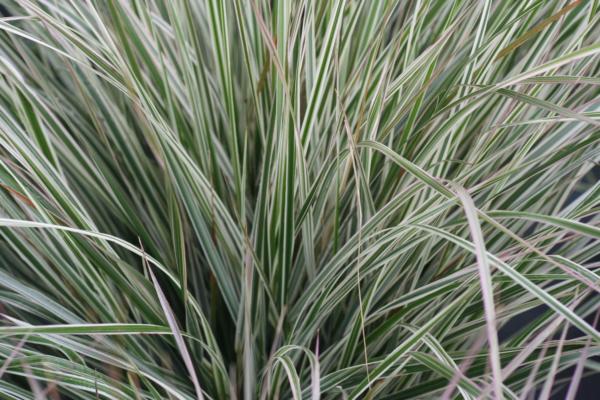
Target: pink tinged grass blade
pixel 537 341
pixel 36 388
pixel 187 359
pixel 547 389
pixel 574 386
pixel 530 384
pixel 487 291
pixel 12 356
pixel 315 387
pixel 463 367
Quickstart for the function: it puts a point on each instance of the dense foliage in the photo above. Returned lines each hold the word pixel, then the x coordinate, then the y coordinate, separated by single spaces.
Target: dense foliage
pixel 298 199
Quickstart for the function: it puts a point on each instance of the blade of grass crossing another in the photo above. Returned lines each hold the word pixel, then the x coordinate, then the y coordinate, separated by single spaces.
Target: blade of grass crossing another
pixel 487 289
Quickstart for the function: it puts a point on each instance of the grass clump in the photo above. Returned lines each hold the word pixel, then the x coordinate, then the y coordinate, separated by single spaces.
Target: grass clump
pixel 298 199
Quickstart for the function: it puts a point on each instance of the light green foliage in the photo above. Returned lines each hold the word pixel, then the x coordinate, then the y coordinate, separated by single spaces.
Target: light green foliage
pixel 252 199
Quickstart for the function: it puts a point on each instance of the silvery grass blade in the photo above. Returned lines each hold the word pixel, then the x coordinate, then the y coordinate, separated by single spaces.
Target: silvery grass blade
pixel 334 199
